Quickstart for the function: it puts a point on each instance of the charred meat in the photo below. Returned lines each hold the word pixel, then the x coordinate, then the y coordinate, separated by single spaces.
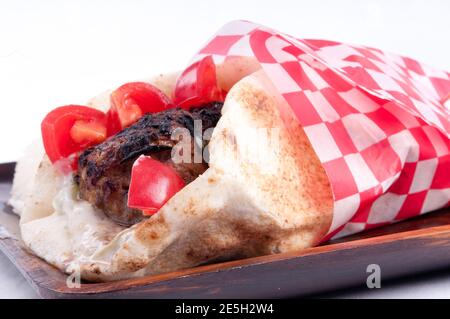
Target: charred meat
pixel 104 171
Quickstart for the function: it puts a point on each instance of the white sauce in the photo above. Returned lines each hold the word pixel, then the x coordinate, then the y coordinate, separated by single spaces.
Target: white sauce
pixel 73 233
pixel 90 229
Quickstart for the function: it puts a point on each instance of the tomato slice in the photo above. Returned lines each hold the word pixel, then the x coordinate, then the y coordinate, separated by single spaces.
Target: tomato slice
pixel 197 85
pixel 86 132
pixel 71 128
pixel 132 100
pixel 112 122
pixel 152 185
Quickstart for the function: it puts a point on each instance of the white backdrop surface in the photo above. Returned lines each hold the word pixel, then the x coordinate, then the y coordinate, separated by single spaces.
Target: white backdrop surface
pixel 55 52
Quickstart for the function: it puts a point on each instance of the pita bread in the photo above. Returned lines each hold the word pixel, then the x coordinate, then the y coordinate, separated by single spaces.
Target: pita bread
pixel 251 201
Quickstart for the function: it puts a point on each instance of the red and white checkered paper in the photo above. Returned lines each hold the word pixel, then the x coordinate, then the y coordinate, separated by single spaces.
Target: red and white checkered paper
pixel 376 120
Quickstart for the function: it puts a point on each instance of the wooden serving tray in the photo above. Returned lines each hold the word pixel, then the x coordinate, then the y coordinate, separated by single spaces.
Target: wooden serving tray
pixel 405 248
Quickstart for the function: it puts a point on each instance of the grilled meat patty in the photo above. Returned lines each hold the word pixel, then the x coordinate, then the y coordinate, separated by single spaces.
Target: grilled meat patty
pixel 104 170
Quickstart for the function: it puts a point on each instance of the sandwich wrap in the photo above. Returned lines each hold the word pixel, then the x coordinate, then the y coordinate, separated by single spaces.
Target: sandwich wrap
pixel 357 138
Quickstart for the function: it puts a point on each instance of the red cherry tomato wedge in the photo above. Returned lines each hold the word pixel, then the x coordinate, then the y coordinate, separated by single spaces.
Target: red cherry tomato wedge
pixel 152 185
pixel 132 100
pixel 86 132
pixel 112 123
pixel 71 128
pixel 197 85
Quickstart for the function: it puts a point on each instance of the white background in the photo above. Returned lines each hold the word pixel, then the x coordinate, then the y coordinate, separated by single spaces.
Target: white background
pixel 59 52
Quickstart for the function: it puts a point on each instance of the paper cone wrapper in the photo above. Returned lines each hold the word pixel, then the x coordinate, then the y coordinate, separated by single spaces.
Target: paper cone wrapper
pixel 377 121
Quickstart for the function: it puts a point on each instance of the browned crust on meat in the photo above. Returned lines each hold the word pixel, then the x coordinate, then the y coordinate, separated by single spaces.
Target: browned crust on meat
pixel 104 170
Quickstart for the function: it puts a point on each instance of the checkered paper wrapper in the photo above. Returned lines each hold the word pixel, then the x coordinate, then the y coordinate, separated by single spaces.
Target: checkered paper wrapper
pixel 376 120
